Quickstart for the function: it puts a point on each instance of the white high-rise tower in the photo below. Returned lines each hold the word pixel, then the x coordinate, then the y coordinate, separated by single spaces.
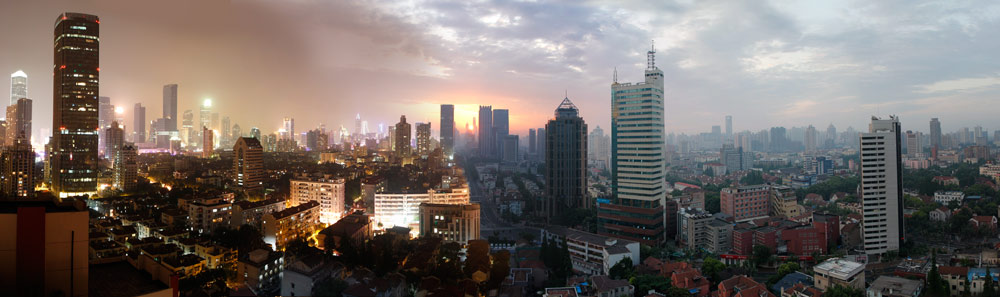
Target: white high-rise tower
pixel 881 192
pixel 18 86
pixel 637 161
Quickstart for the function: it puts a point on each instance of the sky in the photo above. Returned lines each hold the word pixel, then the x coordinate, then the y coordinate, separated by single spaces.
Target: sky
pixel 766 63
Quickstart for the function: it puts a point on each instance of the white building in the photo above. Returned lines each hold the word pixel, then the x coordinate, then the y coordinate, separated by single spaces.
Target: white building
pixel 881 197
pixel 404 209
pixel 329 192
pixel 18 86
pixel 593 254
pixel 944 197
pixel 837 271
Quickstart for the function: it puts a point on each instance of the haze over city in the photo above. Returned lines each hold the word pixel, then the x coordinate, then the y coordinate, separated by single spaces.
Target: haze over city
pixel 767 63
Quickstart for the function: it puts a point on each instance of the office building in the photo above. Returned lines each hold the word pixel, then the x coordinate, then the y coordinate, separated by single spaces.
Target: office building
pixel 692 228
pixel 207 142
pixel 45 248
pixel 402 138
pixel 126 168
pixel 735 159
pixel 290 224
pixel 139 123
pixel 451 222
pixel 423 138
pixel 501 128
pixel 599 149
pixel 746 203
pixel 486 142
pixel 75 105
pixel 532 142
pixel 565 162
pixel 204 117
pixel 936 134
pixel 448 128
pixel 512 143
pixel 327 191
pixel 810 140
pixel 636 211
pixel 18 86
pixel 106 115
pixel 729 127
pixel 18 121
pixel 188 134
pixel 592 254
pixel 288 126
pixel 839 272
pixel 170 107
pixel 18 164
pixel 224 132
pixel 248 164
pixel 784 202
pixel 881 190
pixel 114 139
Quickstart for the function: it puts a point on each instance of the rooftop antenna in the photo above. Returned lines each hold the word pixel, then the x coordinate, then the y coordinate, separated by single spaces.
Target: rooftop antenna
pixel 567 93
pixel 650 56
pixel 615 76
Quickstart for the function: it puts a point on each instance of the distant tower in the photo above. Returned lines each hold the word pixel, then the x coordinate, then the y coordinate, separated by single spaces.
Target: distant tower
pixel 126 168
pixel 191 136
pixel 288 124
pixel 935 134
pixel 170 107
pixel 448 128
pixel 881 164
pixel 114 141
pixel 810 139
pixel 208 142
pixel 423 138
pixel 139 123
pixel 565 162
pixel 18 86
pixel 729 127
pixel 501 128
pixel 18 121
pixel 486 137
pixel 205 116
pixel 17 163
pixel 403 132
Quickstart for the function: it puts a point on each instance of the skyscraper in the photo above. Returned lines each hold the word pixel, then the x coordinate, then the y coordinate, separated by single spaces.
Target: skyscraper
pixel 501 128
pixel 170 106
pixel 565 162
pixel 778 139
pixel 17 168
pixel 105 115
pixel 139 123
pixel 729 128
pixel 540 135
pixel 248 164
pixel 599 148
pixel 114 139
pixel 207 142
pixel 403 132
pixel 423 138
pixel 881 180
pixel 532 141
pixel 810 139
pixel 486 136
pixel 288 124
pixel 224 131
pixel 205 117
pixel 636 211
pixel 935 134
pixel 18 121
pixel 76 80
pixel 448 128
pixel 255 133
pixel 126 168
pixel 187 124
pixel 18 86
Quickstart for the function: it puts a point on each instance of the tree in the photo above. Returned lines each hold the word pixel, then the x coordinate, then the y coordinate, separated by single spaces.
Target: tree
pixel 842 291
pixel 988 286
pixel 709 172
pixel 753 178
pixel 711 268
pixel 761 255
pixel 645 282
pixel 500 269
pixel 936 286
pixel 477 260
pixel 783 270
pixel 623 269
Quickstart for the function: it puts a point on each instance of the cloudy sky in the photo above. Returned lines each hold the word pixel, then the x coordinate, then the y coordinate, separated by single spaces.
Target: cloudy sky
pixel 767 63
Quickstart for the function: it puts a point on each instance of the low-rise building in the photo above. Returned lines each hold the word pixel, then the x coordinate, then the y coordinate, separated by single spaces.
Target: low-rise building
pixel 593 254
pixel 691 228
pixel 691 280
pixel 452 222
pixel 838 271
pixel 719 236
pixel 206 215
pixel 251 213
pixel 604 286
pixel 300 276
pixel 261 271
pixel 891 286
pixel 742 286
pixel 944 197
pixel 293 223
pixel 355 229
pixel 955 276
pixel 940 214
pixel 746 202
pixel 404 209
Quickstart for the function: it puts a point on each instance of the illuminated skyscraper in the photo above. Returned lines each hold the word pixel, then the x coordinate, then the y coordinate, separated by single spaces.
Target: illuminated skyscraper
pixel 204 116
pixel 139 123
pixel 114 139
pixel 105 115
pixel 170 106
pixel 126 168
pixel 18 86
pixel 187 124
pixel 288 124
pixel 881 192
pixel 224 131
pixel 76 77
pixel 255 133
pixel 248 164
pixel 18 121
pixel 17 168
pixel 208 142
pixel 636 211
pixel 448 128
pixel 565 162
pixel 423 138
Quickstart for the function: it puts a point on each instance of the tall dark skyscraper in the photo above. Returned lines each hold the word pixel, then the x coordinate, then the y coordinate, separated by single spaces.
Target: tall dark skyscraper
pixel 501 128
pixel 486 137
pixel 139 123
pixel 448 128
pixel 540 142
pixel 565 162
pixel 76 72
pixel 403 134
pixel 935 134
pixel 170 106
pixel 778 139
pixel 532 141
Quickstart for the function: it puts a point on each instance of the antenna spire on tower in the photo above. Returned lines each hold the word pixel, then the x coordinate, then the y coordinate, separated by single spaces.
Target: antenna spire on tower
pixel 615 75
pixel 650 56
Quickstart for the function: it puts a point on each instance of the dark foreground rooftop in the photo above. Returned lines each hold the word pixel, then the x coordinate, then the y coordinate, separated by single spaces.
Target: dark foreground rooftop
pixel 121 279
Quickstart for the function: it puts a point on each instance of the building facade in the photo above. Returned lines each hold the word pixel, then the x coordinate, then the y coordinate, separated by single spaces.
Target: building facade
pixel 637 154
pixel 881 186
pixel 565 162
pixel 402 139
pixel 403 210
pixel 451 222
pixel 248 164
pixel 746 203
pixel 327 191
pixel 448 128
pixel 297 222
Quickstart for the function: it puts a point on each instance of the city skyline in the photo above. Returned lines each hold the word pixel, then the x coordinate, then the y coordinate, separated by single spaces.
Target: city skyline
pixel 785 69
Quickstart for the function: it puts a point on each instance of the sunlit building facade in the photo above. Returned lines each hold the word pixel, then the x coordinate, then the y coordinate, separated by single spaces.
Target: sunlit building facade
pixel 327 191
pixel 451 222
pixel 404 209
